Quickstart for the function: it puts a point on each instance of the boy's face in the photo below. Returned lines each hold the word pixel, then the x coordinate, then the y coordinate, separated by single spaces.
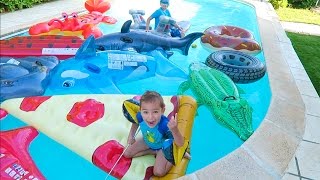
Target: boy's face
pixel 164 5
pixel 151 112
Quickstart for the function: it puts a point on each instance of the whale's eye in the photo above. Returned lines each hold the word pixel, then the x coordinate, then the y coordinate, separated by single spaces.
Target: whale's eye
pixel 68 83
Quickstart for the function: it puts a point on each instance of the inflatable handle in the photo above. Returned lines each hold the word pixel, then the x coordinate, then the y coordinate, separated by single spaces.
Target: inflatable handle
pixel 93 68
pixel 133 11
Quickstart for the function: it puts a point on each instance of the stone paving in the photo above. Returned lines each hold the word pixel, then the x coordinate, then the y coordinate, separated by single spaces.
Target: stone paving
pixel 310 29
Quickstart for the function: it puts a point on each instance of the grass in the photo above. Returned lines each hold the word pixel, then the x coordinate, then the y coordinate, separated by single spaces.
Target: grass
pixel 298 15
pixel 307 48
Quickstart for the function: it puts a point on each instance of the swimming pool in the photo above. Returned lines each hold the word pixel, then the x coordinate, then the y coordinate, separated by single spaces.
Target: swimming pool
pixel 207 145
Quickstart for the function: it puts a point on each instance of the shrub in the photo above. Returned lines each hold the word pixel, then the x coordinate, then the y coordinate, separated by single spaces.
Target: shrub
pixel 303 4
pixel 12 5
pixel 279 3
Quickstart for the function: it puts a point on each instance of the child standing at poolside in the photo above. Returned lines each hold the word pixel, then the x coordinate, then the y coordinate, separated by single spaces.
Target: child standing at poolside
pixel 163 11
pixel 157 132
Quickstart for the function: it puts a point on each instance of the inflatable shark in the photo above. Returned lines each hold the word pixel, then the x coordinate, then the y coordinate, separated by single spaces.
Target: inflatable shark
pixel 142 41
pixel 92 71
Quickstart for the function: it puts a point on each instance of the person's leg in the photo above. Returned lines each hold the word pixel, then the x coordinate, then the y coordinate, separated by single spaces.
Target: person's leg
pixel 162 165
pixel 138 148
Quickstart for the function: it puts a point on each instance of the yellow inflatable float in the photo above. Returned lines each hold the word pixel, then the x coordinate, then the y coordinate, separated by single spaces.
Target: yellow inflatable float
pixel 93 126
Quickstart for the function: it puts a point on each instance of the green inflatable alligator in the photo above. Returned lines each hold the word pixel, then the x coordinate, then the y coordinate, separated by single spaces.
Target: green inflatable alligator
pixel 219 93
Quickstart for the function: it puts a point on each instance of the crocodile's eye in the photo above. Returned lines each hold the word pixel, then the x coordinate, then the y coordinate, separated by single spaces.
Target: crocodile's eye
pixel 68 83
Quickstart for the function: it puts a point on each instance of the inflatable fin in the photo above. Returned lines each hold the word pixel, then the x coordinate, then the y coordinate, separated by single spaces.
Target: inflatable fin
pixel 108 86
pixel 165 67
pixel 126 26
pixel 189 39
pixel 87 49
pixel 136 74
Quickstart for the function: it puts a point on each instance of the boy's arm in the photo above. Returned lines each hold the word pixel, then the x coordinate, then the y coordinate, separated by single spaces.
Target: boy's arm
pixel 148 23
pixel 133 130
pixel 173 126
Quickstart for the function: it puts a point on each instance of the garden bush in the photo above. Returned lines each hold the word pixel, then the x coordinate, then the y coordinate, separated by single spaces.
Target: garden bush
pixel 279 3
pixel 12 5
pixel 299 4
pixel 303 4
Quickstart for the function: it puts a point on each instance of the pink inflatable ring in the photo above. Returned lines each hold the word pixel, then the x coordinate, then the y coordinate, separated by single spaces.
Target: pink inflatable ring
pixel 229 38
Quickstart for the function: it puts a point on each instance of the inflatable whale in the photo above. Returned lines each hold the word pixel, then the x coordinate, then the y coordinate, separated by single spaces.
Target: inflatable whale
pixel 92 71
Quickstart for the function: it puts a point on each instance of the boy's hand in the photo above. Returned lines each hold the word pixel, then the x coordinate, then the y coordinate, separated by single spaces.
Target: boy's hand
pixel 131 140
pixel 172 124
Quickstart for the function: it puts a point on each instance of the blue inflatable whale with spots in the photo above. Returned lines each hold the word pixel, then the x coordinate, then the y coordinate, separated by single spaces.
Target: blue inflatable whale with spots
pixel 92 71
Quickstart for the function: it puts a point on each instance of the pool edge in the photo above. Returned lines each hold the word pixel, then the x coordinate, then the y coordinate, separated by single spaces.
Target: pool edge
pixel 268 152
pixel 248 161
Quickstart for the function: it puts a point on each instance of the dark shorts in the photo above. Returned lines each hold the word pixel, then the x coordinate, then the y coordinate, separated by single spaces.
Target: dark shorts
pixel 175 32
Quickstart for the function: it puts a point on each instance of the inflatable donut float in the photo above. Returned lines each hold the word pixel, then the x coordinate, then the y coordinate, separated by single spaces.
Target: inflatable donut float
pixel 229 38
pixel 239 66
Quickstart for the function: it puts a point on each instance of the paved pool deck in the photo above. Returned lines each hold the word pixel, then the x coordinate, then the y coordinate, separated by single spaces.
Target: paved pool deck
pixel 287 143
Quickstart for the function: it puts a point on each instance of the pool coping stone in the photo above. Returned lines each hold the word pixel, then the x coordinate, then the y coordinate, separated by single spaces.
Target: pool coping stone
pixel 268 152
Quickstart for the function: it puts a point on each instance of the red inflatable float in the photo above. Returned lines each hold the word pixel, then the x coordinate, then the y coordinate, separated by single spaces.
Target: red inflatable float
pixel 230 38
pixel 15 160
pixel 62 47
pixel 84 25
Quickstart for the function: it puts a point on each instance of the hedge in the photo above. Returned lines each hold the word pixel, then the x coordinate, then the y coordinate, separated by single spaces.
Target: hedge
pixel 13 5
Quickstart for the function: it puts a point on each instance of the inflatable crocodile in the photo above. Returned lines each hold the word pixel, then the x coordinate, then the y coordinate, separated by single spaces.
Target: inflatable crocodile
pixel 217 91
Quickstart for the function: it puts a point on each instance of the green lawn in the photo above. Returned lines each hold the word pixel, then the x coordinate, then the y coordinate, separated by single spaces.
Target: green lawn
pixel 308 50
pixel 307 47
pixel 298 15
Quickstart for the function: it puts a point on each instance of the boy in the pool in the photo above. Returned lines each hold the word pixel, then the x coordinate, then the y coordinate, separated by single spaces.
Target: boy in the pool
pixel 157 131
pixel 163 11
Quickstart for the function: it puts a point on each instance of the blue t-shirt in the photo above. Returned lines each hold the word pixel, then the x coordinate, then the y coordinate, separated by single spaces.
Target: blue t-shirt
pixel 156 15
pixel 154 137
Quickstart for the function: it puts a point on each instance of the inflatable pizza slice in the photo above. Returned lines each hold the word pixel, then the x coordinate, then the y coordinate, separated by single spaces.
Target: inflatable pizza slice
pixel 93 126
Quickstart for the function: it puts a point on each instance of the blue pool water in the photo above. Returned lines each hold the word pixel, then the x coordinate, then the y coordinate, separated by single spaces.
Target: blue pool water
pixel 210 141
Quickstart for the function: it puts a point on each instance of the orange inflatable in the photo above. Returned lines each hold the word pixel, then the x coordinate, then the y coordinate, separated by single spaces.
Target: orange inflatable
pixel 230 38
pixel 74 25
